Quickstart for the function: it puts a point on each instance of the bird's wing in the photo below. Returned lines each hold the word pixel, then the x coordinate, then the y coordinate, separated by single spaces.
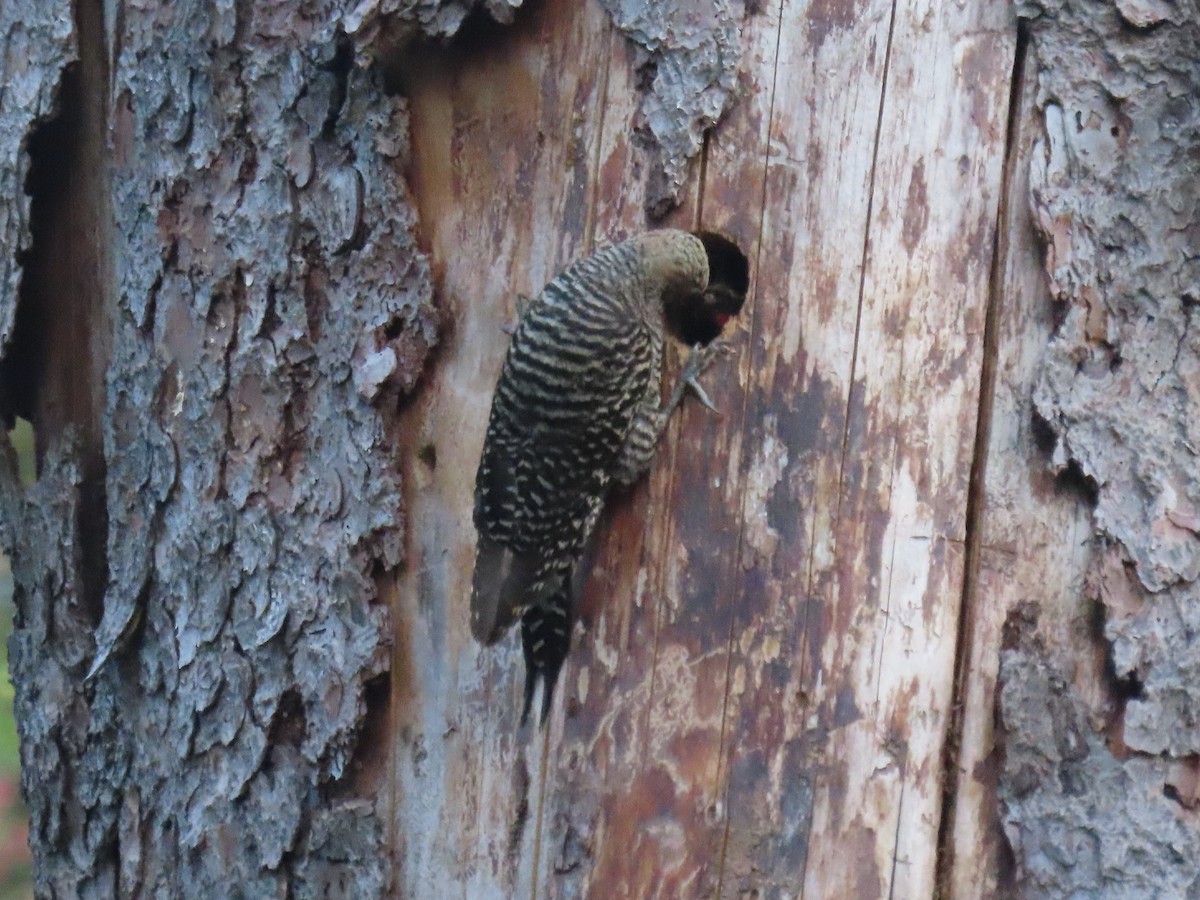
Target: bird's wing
pixel 547 462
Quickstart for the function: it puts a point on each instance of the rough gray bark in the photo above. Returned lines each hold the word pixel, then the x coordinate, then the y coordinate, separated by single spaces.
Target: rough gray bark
pixel 41 36
pixel 198 621
pixel 269 308
pixel 1082 822
pixel 1116 194
pixel 692 54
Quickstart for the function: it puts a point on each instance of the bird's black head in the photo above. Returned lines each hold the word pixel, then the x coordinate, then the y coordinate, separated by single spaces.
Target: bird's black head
pixel 700 318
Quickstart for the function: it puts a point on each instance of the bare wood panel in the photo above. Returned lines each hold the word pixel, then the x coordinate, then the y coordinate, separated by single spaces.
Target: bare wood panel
pixel 589 753
pixel 651 676
pixel 886 681
pixel 759 691
pixel 849 624
pixel 1035 534
pixel 819 156
pixel 504 132
pixel 859 648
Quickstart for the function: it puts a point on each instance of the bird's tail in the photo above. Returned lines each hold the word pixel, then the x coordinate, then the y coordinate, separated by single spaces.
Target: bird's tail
pixel 546 638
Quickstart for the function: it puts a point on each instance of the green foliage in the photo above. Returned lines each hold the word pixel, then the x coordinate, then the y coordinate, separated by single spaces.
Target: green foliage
pixel 16 876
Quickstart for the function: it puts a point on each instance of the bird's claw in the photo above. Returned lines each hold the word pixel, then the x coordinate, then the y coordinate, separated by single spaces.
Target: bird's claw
pixel 701 357
pixel 701 395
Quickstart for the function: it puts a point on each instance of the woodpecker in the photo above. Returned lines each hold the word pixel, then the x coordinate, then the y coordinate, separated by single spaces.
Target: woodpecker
pixel 577 409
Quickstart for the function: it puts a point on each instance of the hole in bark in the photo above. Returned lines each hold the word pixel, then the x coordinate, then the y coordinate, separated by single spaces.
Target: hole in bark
pixel 366 773
pixel 701 321
pixel 1044 437
pixel 394 328
pixel 645 75
pixel 1189 301
pixel 339 66
pixel 428 455
pixel 727 264
pixel 1072 479
pixel 1125 688
pixel 290 722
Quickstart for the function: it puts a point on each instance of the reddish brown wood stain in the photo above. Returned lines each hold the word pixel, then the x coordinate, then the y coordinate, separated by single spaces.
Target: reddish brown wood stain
pixel 758 696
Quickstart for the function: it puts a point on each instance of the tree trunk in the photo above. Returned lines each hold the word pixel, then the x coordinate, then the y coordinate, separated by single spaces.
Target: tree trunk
pixel 852 637
pixel 221 301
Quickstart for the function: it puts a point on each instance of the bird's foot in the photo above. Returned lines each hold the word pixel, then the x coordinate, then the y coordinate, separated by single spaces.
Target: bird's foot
pixel 701 357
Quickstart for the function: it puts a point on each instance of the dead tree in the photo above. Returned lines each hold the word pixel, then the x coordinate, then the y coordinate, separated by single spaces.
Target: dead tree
pixel 914 615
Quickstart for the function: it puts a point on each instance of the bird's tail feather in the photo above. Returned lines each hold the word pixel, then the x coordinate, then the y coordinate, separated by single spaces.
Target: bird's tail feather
pixel 500 587
pixel 546 639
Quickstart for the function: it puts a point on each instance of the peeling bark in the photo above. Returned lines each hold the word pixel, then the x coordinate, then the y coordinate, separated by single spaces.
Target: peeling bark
pixel 1082 821
pixel 1114 195
pixel 269 308
pixel 692 52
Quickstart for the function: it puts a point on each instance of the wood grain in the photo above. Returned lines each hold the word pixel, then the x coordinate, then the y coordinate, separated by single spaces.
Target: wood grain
pixel 1033 535
pixel 759 693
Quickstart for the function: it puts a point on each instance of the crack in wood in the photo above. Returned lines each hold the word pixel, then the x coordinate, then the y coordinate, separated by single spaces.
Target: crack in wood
pixel 977 488
pixel 589 229
pixel 589 245
pixel 850 389
pixel 752 326
pixel 862 275
pixel 702 177
pixel 57 358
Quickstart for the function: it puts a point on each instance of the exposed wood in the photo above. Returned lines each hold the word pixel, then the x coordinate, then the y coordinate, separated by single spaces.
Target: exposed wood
pixel 887 575
pixel 500 217
pixel 1034 535
pixel 749 648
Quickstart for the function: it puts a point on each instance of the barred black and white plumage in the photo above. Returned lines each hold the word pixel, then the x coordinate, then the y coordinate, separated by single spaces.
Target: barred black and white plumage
pixel 576 407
